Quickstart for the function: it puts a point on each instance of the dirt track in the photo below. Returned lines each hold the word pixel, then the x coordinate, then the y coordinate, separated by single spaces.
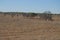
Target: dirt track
pixel 18 28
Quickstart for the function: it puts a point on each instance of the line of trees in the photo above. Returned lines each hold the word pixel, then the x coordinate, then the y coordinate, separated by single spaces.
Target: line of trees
pixel 47 15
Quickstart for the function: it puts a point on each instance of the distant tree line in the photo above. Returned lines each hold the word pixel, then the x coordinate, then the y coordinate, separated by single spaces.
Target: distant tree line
pixel 47 15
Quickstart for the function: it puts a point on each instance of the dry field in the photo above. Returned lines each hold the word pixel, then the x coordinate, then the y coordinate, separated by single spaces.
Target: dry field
pixel 19 28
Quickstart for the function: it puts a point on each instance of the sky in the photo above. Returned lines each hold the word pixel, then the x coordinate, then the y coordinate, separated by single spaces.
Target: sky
pixel 30 6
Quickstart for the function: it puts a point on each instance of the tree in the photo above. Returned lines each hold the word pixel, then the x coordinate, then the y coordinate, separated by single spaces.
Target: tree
pixel 47 15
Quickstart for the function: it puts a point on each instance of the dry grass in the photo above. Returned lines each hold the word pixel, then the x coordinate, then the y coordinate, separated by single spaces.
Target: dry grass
pixel 19 28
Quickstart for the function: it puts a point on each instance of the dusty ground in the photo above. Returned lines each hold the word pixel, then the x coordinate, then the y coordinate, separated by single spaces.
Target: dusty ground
pixel 19 28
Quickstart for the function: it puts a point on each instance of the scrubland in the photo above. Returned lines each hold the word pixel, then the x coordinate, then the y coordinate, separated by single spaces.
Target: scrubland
pixel 20 28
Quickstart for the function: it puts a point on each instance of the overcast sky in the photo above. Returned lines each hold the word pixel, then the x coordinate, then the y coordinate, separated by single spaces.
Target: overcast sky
pixel 30 5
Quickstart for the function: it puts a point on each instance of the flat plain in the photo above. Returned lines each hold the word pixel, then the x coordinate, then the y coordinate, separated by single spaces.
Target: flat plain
pixel 20 28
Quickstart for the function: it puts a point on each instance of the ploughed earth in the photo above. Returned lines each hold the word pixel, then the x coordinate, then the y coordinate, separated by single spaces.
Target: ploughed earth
pixel 20 28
